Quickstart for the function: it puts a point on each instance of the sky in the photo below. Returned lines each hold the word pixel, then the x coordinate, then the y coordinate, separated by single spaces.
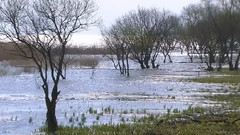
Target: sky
pixel 110 10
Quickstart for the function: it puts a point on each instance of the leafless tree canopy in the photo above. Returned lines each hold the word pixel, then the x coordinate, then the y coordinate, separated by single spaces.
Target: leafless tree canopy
pixel 141 35
pixel 211 29
pixel 39 28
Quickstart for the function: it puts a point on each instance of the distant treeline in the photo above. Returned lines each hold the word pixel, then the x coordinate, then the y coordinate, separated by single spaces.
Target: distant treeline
pixel 87 50
pixel 210 29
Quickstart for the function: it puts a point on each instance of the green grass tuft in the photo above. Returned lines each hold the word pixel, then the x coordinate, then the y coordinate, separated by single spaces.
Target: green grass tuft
pixel 222 79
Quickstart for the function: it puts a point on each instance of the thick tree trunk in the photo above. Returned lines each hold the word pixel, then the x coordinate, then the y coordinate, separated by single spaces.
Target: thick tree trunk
pixel 230 63
pixel 146 64
pixel 153 64
pixel 51 108
pixel 146 60
pixel 210 68
pixel 211 57
pixel 209 65
pixel 211 60
pixel 141 65
pixel 51 116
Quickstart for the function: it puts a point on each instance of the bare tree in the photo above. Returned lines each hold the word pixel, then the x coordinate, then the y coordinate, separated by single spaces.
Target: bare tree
pixel 38 26
pixel 170 31
pixel 115 39
pixel 191 16
pixel 142 34
pixel 157 19
pixel 230 14
pixel 186 40
pixel 200 31
pixel 212 29
pixel 139 34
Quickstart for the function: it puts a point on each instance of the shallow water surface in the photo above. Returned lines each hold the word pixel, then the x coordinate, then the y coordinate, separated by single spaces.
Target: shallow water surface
pixel 144 92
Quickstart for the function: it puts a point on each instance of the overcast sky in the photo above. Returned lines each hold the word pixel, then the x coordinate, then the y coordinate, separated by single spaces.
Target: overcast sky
pixel 110 10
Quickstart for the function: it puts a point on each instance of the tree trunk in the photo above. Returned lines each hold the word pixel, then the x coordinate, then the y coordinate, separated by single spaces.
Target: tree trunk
pixel 123 65
pixel 211 60
pixel 237 61
pixel 230 62
pixel 120 67
pixel 153 64
pixel 211 57
pixel 209 64
pixel 141 64
pixel 190 57
pixel 236 65
pixel 51 108
pixel 169 57
pixel 65 71
pixel 201 58
pixel 165 56
pixel 219 67
pixel 127 65
pixel 146 60
pixel 146 64
pixel 210 68
pixel 51 116
pixel 221 61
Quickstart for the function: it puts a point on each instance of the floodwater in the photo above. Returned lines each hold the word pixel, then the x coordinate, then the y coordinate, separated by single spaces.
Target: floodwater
pixel 152 91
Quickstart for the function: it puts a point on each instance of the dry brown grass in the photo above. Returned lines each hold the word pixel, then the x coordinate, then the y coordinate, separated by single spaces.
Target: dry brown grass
pixel 8 53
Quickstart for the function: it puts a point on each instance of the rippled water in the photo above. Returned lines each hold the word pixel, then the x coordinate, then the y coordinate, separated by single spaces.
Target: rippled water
pixel 22 106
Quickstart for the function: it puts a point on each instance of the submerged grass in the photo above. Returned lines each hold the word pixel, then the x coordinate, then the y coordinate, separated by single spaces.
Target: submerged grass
pixel 223 76
pixel 228 72
pixel 226 76
pixel 231 100
pixel 193 121
pixel 222 79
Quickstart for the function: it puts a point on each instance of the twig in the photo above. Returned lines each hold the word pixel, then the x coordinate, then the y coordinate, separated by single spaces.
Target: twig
pixel 236 121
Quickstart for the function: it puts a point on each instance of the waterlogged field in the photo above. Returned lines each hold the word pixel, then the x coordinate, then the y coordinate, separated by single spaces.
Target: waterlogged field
pixel 101 95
